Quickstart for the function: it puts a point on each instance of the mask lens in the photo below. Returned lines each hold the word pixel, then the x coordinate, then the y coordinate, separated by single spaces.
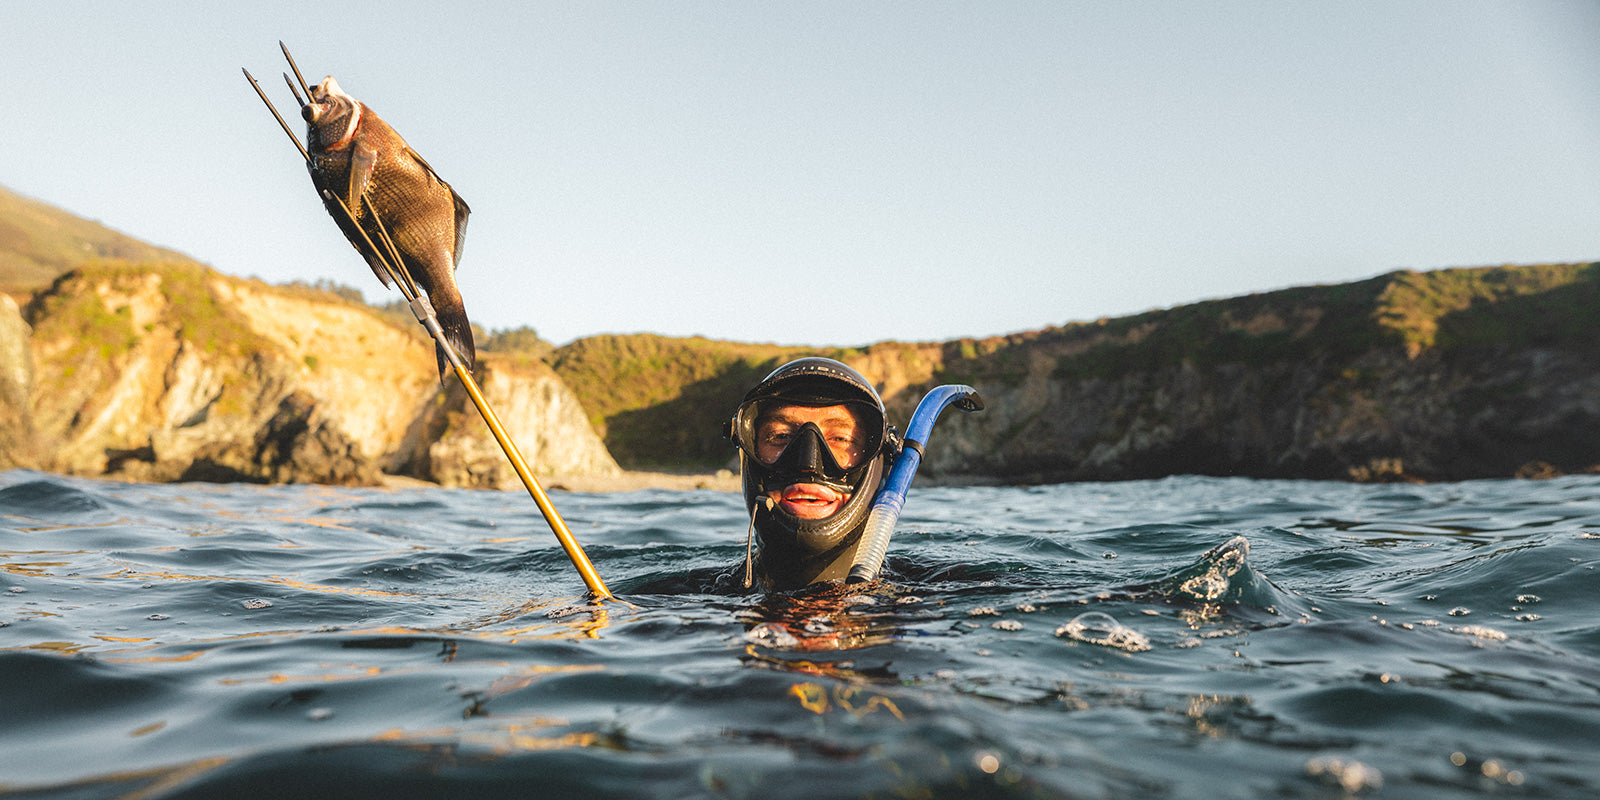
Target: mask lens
pixel 807 449
pixel 843 439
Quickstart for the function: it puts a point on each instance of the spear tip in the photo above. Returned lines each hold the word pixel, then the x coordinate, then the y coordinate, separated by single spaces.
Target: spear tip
pixel 294 91
pixel 297 76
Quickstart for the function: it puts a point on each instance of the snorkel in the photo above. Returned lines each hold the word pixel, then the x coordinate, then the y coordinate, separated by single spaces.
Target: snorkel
pixel 892 497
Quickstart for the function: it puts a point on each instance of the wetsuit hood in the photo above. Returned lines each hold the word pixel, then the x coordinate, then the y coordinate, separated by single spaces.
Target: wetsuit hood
pixel 794 551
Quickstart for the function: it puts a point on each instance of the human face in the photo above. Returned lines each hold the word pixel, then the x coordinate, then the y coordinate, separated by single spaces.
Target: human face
pixel 842 431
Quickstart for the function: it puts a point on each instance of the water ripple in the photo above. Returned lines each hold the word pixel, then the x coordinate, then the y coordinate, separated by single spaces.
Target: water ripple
pixel 1174 638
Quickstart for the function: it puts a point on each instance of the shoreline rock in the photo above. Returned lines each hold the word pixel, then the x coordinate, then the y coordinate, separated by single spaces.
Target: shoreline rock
pixel 175 372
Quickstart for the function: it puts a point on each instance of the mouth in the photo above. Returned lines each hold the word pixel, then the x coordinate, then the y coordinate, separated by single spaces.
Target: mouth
pixel 809 500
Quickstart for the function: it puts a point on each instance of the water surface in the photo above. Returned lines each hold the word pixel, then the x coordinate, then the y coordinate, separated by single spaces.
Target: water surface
pixel 1189 637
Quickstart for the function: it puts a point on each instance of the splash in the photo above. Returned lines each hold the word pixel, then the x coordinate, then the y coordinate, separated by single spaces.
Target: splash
pixel 1481 632
pixel 1098 627
pixel 771 634
pixel 1216 571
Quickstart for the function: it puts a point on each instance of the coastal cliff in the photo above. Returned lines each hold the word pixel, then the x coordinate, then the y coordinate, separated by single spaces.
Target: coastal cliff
pixel 1443 375
pixel 176 372
pixel 17 448
pixel 159 368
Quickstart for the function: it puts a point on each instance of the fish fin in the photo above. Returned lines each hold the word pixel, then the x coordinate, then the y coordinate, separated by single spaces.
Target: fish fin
pixel 363 159
pixel 331 201
pixel 458 330
pixel 376 265
pixel 423 162
pixel 461 229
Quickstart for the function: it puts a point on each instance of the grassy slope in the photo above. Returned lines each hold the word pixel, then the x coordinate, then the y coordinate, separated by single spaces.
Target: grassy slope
pixel 661 401
pixel 39 242
pixel 71 309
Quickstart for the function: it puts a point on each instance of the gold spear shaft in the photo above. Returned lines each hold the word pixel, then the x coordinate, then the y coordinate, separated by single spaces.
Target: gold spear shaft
pixel 423 309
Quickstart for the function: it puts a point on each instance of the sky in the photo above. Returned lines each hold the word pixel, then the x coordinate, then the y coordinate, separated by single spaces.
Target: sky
pixel 839 173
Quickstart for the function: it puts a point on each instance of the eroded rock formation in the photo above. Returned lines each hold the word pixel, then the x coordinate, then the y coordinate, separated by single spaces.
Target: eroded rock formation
pixel 179 373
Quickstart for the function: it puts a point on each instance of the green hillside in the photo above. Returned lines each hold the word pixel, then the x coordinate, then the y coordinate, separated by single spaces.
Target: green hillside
pixel 659 401
pixel 39 242
pixel 1447 309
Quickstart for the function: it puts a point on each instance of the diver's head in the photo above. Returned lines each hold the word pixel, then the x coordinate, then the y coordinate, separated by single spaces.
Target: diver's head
pixel 813 440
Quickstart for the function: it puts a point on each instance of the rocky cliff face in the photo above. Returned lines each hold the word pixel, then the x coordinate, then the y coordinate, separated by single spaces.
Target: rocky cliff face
pixel 17 448
pixel 450 442
pixel 1441 376
pixel 1381 417
pixel 179 373
pixel 1444 375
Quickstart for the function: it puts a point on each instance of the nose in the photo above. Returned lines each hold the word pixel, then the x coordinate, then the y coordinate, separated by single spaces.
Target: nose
pixel 808 451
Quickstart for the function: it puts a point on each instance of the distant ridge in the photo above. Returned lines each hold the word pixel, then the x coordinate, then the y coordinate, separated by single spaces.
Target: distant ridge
pixel 1451 374
pixel 1443 375
pixel 40 242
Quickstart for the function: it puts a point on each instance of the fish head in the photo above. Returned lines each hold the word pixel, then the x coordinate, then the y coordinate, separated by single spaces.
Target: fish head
pixel 331 116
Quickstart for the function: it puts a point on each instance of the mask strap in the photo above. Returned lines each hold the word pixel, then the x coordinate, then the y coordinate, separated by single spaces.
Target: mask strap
pixel 749 542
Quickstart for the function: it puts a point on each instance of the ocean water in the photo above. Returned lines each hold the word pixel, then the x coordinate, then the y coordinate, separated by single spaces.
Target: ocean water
pixel 1180 638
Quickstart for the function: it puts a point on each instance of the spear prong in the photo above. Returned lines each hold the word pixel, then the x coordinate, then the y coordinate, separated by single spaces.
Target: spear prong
pixel 270 107
pixel 297 75
pixel 294 91
pixel 394 253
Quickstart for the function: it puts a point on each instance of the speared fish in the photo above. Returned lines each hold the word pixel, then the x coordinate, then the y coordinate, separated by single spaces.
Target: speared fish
pixel 368 176
pixel 394 196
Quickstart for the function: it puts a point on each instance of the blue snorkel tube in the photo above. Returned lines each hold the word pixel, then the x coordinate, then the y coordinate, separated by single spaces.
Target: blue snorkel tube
pixel 892 497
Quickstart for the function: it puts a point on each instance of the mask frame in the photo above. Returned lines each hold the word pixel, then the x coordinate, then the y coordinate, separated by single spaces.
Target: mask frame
pixel 744 428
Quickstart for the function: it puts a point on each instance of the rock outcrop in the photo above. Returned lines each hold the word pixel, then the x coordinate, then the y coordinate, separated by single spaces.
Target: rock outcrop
pixel 450 442
pixel 1381 417
pixel 1451 374
pixel 17 446
pixel 176 372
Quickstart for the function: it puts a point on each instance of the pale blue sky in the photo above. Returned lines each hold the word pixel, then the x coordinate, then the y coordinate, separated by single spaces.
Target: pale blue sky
pixel 841 173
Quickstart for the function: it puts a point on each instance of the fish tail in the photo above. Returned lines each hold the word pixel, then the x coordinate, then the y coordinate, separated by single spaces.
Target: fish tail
pixel 458 331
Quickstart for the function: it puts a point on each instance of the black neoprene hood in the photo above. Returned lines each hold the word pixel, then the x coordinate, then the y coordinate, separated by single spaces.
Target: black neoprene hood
pixel 797 551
